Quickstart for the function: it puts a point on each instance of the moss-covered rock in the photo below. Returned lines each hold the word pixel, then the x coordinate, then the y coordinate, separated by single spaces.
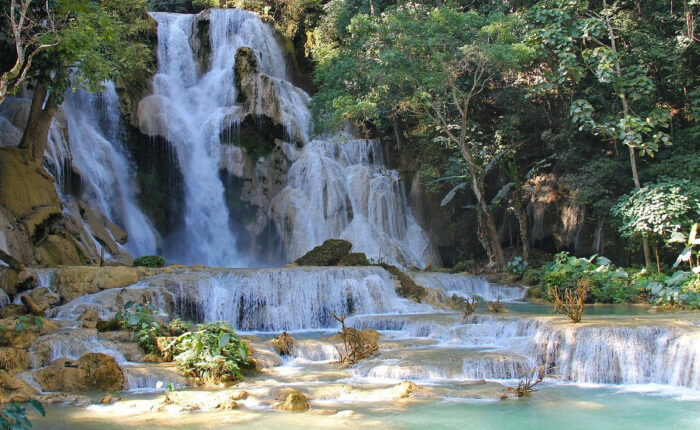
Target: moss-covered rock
pixel 354 259
pixel 329 253
pixel 407 286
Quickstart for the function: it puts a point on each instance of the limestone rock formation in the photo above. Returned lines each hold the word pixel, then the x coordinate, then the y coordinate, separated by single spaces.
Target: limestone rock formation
pixel 92 372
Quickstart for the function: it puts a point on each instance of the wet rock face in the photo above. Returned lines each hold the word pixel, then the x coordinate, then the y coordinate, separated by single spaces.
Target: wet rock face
pixel 89 318
pixel 92 372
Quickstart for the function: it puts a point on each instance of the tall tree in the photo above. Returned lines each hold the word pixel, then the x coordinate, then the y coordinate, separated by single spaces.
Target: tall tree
pixel 435 64
pixel 583 42
pixel 87 44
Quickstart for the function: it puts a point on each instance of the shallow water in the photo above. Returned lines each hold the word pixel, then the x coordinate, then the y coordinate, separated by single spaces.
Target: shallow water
pixel 552 407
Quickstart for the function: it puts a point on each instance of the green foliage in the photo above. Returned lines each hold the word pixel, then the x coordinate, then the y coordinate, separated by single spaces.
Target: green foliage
pixel 659 209
pixel 149 261
pixel 141 319
pixel 99 41
pixel 608 284
pixel 517 265
pixel 14 417
pixel 679 289
pixel 210 352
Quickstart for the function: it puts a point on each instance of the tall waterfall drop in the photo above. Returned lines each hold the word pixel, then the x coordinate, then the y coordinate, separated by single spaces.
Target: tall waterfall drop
pixel 335 188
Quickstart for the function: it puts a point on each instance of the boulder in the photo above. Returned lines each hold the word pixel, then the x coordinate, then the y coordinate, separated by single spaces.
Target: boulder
pixel 329 253
pixel 291 400
pixel 89 318
pixel 14 389
pixel 92 372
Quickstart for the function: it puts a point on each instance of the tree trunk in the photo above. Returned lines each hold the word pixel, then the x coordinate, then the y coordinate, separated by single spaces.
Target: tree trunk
pixel 398 132
pixel 489 225
pixel 41 113
pixel 522 221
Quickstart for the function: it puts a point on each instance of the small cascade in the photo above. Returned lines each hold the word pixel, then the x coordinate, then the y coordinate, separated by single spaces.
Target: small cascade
pixel 314 350
pixel 60 345
pixel 341 188
pixel 257 299
pixel 151 378
pixel 274 300
pixel 621 355
pixel 468 286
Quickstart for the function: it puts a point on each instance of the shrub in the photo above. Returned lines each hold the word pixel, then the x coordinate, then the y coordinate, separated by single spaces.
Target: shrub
pixel 283 344
pixel 608 284
pixel 210 352
pixel 517 266
pixel 141 319
pixel 149 261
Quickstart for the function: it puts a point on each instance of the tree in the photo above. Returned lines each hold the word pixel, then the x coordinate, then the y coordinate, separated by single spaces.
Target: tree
pixel 434 65
pixel 658 210
pixel 72 44
pixel 32 31
pixel 584 40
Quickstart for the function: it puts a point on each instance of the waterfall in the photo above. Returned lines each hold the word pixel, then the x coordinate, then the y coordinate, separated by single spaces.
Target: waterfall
pixel 341 188
pixel 464 285
pixel 92 123
pixel 191 109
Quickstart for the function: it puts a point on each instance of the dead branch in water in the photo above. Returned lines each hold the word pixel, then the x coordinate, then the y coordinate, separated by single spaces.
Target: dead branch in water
pixel 357 344
pixel 526 386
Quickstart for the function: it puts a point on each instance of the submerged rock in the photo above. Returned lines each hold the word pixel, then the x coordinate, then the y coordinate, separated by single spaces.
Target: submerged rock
pixel 329 253
pixel 92 372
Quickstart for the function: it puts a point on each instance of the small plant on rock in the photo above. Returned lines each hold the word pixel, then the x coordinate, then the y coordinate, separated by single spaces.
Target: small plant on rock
pixel 573 300
pixel 149 261
pixel 496 307
pixel 210 352
pixel 141 319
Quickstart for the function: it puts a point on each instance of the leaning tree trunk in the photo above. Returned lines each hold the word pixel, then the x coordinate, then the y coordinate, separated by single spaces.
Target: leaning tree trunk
pixel 41 113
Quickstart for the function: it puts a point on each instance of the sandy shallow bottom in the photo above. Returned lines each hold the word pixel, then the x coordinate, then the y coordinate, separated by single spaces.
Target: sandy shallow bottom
pixel 552 407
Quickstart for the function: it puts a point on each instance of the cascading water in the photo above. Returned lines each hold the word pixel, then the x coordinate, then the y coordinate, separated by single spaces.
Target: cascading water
pixel 341 188
pixel 463 285
pixel 98 155
pixel 191 110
